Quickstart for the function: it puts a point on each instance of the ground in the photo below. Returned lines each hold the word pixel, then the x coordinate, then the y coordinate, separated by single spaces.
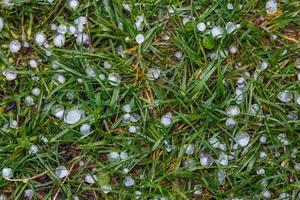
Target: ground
pixel 149 99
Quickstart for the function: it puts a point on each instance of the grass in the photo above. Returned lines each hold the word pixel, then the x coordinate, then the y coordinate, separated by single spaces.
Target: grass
pixel 196 89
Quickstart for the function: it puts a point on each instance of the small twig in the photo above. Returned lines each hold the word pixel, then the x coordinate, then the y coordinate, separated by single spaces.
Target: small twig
pixel 25 180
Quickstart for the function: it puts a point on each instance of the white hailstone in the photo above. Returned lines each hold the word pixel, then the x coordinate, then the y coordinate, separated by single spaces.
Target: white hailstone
pixel 55 64
pixel 120 25
pixel 230 27
pixel 90 179
pixel 217 32
pixel 298 76
pixel 33 63
pixel 197 190
pixel 153 73
pixel 33 149
pixel 284 195
pixel 139 38
pixel 28 193
pixel 187 19
pixel 59 78
pixel 82 38
pixel 233 111
pixel 114 79
pixel 107 64
pixel 274 37
pixel 233 49
pixel 128 181
pixel 7 173
pixel 59 40
pixel 36 91
pixel 75 197
pixel 62 29
pixel 298 100
pixel 26 44
pixel 282 138
pixel 79 29
pixel 126 108
pixel 214 142
pixel 254 109
pixel 260 171
pixel 48 53
pixel 53 27
pixel 190 149
pixel 73 116
pixel 73 4
pixel 223 159
pixel 263 154
pixel 262 66
pixel 222 146
pixel 263 139
pixel 29 101
pixel 271 6
pixel 71 29
pixel 102 77
pixel 134 117
pixel 58 111
pixel 292 115
pixel 114 156
pixel 132 129
pixel 230 123
pixel 13 124
pixel 166 121
pixel 266 194
pixel 201 27
pixel 229 6
pixel 40 38
pixel 285 96
pixel 85 129
pixel 10 74
pixel 178 55
pixel 90 72
pixel 139 22
pixel 123 155
pixel 1 23
pixel 81 20
pixel 206 160
pixel 242 138
pixel 189 163
pixel 221 177
pixel 126 117
pixel 44 139
pixel 62 172
pixel 14 46
pixel 297 167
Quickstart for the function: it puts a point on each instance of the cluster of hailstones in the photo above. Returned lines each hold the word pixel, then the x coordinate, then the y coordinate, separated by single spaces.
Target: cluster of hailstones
pixel 72 116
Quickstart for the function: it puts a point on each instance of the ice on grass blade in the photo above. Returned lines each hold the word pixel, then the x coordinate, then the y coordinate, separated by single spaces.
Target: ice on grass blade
pixel 153 73
pixel 72 116
pixel 242 138
pixel 217 31
pixel 33 149
pixel 139 22
pixel 214 142
pixel 14 46
pixel 7 173
pixel 223 159
pixel 114 79
pixel 271 6
pixel 254 109
pixel 90 72
pixel 90 179
pixel 221 177
pixel 282 138
pixel 201 26
pixel 198 190
pixel 231 27
pixel 10 74
pixel 139 38
pixel 82 38
pixel 128 181
pixel 285 96
pixel 85 129
pixel 62 172
pixel 206 160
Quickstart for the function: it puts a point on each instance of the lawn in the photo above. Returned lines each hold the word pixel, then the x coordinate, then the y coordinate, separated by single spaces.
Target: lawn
pixel 149 99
